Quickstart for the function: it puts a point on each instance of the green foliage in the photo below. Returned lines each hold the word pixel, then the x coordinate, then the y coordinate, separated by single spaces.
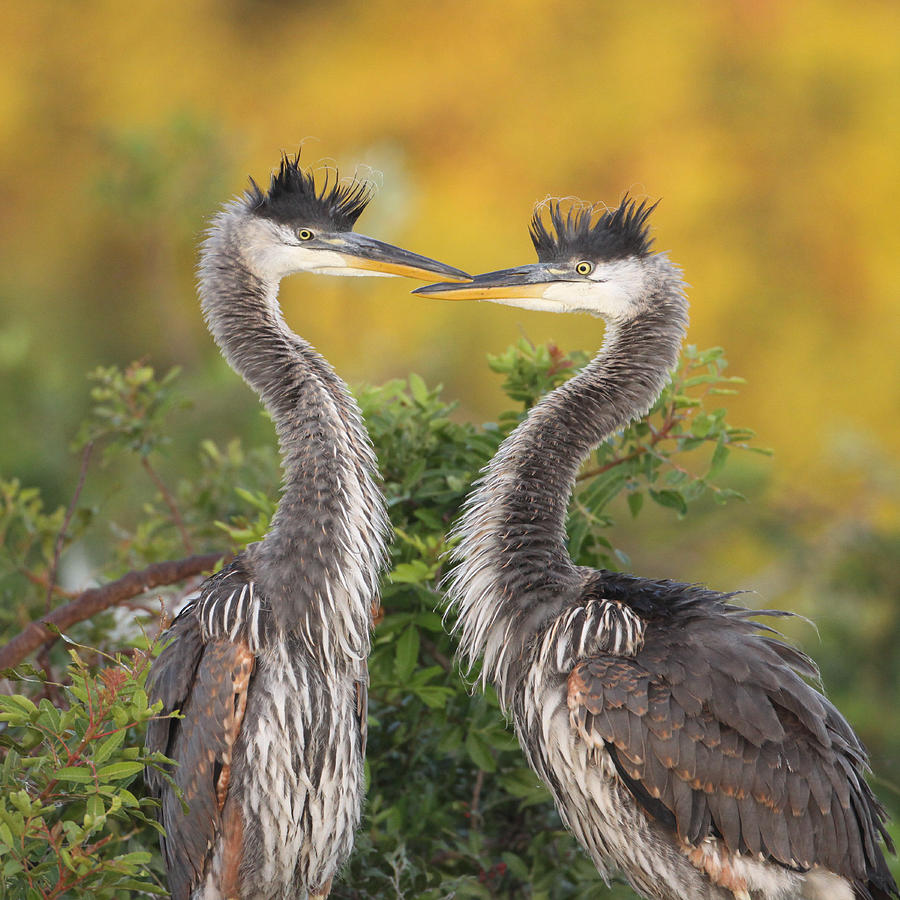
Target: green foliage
pixel 534 370
pixel 27 531
pixel 72 818
pixel 29 536
pixel 130 408
pixel 453 810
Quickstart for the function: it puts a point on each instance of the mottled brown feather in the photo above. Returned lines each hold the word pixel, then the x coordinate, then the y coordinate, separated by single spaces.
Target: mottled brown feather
pixel 362 712
pixel 208 684
pixel 232 829
pixel 728 759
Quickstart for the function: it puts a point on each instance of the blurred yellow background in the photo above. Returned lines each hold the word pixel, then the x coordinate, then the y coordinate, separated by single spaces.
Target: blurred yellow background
pixel 770 131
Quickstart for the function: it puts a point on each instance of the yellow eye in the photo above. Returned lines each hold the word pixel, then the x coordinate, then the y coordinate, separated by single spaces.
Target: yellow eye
pixel 584 268
pixel 305 234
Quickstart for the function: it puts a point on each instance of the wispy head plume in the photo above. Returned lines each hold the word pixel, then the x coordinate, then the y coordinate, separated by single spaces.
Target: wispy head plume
pixel 563 229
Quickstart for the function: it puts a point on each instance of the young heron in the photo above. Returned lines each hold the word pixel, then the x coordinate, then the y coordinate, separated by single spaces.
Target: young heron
pixel 680 739
pixel 268 665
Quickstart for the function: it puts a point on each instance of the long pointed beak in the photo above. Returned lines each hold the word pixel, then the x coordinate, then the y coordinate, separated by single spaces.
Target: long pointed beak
pixel 361 252
pixel 519 283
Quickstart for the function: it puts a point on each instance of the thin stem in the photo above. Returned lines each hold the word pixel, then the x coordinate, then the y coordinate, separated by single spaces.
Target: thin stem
pixel 67 520
pixel 169 500
pixel 44 582
pixel 475 802
pixel 441 659
pixel 51 690
pixel 656 437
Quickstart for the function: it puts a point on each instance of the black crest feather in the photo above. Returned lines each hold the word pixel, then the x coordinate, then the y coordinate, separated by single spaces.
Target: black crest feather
pixel 293 197
pixel 614 234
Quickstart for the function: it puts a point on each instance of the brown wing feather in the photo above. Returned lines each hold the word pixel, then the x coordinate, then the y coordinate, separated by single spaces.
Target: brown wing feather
pixel 748 751
pixel 362 713
pixel 209 684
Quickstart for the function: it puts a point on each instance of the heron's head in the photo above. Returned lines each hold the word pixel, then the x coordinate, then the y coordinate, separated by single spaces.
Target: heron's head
pixel 297 226
pixel 590 261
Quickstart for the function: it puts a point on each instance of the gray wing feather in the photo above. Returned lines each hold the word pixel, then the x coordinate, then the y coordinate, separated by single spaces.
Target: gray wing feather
pixel 716 724
pixel 208 683
pixel 170 680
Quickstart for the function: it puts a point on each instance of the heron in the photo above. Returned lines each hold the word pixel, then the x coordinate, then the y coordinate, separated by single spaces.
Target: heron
pixel 268 665
pixel 683 742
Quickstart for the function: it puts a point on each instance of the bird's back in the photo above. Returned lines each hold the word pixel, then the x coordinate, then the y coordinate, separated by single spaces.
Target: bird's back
pixel 684 745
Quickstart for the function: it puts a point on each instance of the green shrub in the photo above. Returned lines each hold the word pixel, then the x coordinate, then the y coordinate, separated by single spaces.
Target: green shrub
pixel 70 823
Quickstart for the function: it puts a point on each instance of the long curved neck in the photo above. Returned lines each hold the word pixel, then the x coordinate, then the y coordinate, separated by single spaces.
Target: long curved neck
pixel 318 565
pixel 514 568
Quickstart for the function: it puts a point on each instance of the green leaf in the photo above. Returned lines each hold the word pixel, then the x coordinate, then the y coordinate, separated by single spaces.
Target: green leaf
pixel 75 774
pixel 525 785
pixel 12 867
pixel 119 770
pixel 418 389
pixel 95 806
pixel 415 572
pixel 635 502
pixel 433 696
pixel 138 858
pixel 407 653
pixel 479 751
pixel 695 380
pixel 430 621
pixel 670 499
pixel 516 865
pixel 127 798
pixel 109 746
pixel 21 800
pixel 143 887
pixel 16 702
pixel 720 455
pixel 602 488
pixel 709 355
pixel 723 495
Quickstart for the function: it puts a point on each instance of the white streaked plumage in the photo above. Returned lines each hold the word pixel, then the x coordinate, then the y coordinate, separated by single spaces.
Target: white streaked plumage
pixel 268 666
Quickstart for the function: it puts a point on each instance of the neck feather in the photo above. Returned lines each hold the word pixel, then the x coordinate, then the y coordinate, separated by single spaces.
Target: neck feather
pixel 514 570
pixel 319 564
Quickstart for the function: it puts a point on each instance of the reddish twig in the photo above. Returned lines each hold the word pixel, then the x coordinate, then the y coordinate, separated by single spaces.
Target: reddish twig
pixel 657 436
pixel 95 600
